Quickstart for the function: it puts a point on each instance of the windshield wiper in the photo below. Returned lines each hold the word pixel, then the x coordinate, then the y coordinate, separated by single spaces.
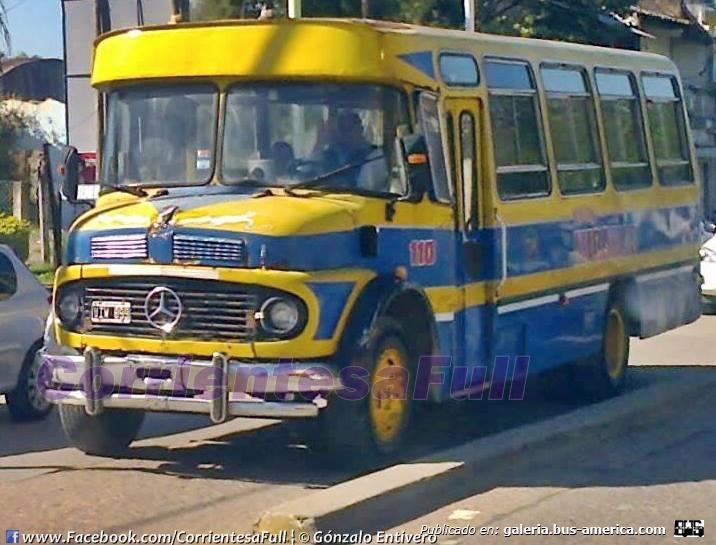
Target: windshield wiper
pixel 130 189
pixel 316 182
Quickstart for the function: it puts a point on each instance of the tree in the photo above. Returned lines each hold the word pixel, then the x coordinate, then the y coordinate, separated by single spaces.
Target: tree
pixel 572 20
pixel 4 30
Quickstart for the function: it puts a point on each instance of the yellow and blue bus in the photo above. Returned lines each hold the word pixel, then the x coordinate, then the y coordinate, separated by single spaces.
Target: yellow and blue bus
pixel 339 219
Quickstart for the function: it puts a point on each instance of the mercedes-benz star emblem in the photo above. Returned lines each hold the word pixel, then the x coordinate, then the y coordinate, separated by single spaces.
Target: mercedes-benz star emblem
pixel 163 309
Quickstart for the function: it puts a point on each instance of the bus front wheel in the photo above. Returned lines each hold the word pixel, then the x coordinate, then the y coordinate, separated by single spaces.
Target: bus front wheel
pixel 372 423
pixel 108 434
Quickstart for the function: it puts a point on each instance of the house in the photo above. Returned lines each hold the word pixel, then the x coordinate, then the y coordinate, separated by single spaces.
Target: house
pixel 32 79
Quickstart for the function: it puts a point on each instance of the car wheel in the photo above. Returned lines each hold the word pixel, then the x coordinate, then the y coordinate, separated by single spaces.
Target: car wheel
pixel 107 434
pixel 28 402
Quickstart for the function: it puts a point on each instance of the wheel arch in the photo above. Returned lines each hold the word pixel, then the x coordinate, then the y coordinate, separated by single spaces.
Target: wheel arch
pixel 388 297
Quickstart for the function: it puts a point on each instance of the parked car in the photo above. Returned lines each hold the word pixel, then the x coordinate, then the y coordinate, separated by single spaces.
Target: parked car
pixel 24 306
pixel 708 273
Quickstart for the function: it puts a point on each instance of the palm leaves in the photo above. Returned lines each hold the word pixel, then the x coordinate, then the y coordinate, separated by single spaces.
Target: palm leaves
pixel 4 30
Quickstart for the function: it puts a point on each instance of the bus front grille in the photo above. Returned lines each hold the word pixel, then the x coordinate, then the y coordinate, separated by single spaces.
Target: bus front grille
pixel 210 310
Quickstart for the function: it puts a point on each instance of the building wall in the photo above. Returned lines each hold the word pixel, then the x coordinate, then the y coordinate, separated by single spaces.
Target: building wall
pixel 695 60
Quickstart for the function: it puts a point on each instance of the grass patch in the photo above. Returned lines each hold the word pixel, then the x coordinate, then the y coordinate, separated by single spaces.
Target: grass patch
pixel 44 273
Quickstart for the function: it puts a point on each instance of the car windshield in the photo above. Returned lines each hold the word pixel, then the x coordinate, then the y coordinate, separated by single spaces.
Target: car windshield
pixel 160 135
pixel 339 136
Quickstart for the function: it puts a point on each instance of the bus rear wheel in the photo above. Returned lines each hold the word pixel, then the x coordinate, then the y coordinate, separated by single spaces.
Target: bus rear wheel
pixel 605 375
pixel 375 425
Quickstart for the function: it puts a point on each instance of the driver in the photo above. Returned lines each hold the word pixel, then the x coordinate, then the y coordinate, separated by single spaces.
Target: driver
pixel 348 146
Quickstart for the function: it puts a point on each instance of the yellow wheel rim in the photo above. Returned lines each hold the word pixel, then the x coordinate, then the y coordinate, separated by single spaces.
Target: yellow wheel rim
pixel 388 399
pixel 614 345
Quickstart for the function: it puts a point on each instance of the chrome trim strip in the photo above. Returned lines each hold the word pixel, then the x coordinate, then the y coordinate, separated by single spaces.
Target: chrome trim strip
pixel 589 290
pixel 529 303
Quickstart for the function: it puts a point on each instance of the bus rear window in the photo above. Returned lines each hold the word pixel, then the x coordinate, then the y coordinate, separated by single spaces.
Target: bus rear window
pixel 516 131
pixel 626 142
pixel 667 125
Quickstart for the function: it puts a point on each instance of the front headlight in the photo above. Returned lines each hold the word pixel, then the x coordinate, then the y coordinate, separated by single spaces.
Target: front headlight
pixel 279 315
pixel 69 308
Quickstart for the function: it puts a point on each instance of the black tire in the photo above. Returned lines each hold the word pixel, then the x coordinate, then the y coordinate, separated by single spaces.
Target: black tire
pixel 604 376
pixel 108 434
pixel 347 432
pixel 27 402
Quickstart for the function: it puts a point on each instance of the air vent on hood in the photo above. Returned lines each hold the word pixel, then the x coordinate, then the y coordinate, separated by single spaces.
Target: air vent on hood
pixel 208 249
pixel 119 247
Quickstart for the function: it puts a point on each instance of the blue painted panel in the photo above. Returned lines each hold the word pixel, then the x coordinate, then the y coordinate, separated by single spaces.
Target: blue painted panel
pixel 422 61
pixel 332 297
pixel 532 248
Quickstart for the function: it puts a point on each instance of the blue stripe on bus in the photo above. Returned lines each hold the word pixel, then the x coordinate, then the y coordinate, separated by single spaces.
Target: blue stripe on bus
pixel 532 248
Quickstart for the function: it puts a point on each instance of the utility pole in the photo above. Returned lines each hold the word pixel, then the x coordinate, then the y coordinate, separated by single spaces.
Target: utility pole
pixel 365 8
pixel 294 9
pixel 470 14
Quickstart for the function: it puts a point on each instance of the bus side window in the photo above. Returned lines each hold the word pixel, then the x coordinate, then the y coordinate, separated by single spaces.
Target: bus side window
pixel 573 126
pixel 517 132
pixel 624 125
pixel 667 125
pixel 468 163
pixel 430 124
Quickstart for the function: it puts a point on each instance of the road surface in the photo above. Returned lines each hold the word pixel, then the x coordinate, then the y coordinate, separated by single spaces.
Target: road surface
pixel 187 475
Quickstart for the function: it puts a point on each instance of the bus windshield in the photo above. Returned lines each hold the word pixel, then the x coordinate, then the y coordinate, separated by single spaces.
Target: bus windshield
pixel 339 136
pixel 160 135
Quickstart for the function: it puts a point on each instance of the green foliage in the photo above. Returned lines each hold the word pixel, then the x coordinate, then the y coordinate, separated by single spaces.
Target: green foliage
pixel 12 124
pixel 571 20
pixel 16 234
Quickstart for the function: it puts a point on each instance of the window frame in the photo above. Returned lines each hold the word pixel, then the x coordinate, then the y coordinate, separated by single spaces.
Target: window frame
pixel 637 97
pixel 535 95
pixel 216 135
pixel 469 220
pixel 590 95
pixel 459 84
pixel 682 127
pixel 444 146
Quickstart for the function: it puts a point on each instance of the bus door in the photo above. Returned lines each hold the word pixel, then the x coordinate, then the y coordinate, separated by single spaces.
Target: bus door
pixel 463 123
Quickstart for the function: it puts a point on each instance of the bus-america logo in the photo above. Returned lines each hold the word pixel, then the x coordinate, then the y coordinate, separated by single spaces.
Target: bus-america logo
pixel 423 253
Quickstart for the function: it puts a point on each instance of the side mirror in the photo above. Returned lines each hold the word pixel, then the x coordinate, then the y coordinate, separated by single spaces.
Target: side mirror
pixel 72 166
pixel 415 158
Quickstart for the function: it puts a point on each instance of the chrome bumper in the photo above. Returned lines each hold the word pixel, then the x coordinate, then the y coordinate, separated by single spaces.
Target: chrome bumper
pixel 219 387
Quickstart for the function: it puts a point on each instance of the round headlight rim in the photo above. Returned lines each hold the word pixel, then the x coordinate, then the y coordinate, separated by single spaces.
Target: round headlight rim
pixel 265 316
pixel 59 306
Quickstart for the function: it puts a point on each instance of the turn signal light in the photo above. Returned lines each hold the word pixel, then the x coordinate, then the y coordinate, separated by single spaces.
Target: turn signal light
pixel 417 159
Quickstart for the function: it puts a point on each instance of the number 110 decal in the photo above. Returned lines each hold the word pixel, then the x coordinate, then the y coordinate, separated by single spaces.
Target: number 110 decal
pixel 423 253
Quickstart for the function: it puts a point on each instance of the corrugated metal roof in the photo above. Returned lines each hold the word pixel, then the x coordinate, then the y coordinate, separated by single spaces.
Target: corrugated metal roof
pixel 667 10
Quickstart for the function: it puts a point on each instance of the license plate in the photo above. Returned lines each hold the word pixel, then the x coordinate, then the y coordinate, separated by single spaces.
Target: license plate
pixel 111 312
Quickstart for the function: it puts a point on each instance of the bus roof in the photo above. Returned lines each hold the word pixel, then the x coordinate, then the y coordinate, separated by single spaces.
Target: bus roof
pixel 342 49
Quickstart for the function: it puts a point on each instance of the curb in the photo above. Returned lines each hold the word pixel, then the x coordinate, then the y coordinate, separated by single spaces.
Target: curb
pixel 387 497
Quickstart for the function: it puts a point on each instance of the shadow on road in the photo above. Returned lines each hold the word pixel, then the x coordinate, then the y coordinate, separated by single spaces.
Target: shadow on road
pixel 276 455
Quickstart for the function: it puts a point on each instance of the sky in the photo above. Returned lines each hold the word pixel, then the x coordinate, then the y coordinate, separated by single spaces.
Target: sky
pixel 35 27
